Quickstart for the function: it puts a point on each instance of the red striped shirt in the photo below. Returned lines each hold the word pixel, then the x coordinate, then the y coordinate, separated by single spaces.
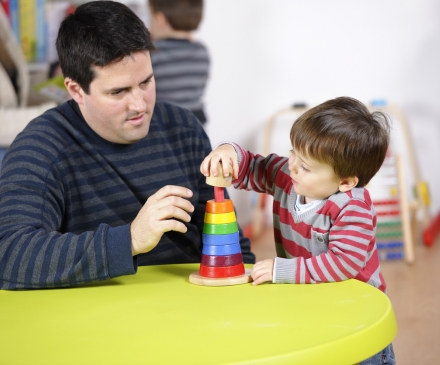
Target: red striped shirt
pixel 334 241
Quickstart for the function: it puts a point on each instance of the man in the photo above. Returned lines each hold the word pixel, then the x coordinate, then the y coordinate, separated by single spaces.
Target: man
pixel 109 180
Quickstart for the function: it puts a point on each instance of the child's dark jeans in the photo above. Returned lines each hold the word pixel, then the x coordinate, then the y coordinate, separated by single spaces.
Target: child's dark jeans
pixel 384 357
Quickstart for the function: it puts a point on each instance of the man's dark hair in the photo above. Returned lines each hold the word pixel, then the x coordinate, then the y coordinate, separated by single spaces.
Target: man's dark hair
pixel 181 14
pixel 344 134
pixel 99 33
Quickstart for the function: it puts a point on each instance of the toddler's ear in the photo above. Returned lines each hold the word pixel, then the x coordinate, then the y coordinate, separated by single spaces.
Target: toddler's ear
pixel 348 183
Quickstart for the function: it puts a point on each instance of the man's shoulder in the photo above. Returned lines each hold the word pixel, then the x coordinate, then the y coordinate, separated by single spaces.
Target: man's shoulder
pixel 49 119
pixel 51 127
pixel 172 114
pixel 173 123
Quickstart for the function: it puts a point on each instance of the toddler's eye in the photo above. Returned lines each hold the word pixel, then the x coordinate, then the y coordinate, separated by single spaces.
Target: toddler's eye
pixel 304 168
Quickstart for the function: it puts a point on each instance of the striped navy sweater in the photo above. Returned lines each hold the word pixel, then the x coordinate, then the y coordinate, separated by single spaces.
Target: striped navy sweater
pixel 67 198
pixel 333 241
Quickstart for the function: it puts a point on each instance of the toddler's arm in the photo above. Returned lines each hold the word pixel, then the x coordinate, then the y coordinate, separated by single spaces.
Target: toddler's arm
pixel 225 154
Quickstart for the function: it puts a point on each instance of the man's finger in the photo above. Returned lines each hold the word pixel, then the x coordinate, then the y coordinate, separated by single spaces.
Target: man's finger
pixel 171 211
pixel 173 201
pixel 170 190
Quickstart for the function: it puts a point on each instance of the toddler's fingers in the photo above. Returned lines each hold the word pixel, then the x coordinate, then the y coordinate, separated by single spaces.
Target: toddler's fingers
pixel 204 167
pixel 259 279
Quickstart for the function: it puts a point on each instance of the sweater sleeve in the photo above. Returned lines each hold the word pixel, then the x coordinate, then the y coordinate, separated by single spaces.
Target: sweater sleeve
pixel 33 251
pixel 257 173
pixel 350 243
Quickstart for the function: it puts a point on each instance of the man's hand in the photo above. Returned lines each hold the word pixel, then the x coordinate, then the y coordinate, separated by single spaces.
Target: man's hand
pixel 227 156
pixel 155 217
pixel 262 271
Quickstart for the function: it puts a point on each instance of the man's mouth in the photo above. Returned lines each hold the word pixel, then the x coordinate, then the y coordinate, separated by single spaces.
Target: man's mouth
pixel 137 120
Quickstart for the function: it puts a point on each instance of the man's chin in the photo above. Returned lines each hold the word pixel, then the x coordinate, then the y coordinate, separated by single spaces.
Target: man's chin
pixel 138 134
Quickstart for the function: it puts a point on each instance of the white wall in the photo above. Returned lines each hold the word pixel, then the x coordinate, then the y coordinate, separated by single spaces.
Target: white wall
pixel 268 54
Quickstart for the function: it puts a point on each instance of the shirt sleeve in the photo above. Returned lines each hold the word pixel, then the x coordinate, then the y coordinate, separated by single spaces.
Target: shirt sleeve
pixel 33 251
pixel 257 173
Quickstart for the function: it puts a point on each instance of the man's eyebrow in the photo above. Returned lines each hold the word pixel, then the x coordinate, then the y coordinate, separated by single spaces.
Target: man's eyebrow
pixel 117 89
pixel 148 78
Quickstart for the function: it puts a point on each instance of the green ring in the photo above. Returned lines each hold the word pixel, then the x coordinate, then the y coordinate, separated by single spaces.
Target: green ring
pixel 223 228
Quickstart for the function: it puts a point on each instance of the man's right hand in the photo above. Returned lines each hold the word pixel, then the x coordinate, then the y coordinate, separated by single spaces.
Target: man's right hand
pixel 156 217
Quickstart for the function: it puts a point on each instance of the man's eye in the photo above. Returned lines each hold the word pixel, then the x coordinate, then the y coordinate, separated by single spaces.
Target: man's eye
pixel 147 81
pixel 116 93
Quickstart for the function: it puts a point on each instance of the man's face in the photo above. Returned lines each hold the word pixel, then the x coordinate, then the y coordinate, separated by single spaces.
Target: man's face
pixel 121 100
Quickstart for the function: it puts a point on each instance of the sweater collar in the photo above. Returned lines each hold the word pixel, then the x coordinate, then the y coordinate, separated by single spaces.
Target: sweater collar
pixel 73 113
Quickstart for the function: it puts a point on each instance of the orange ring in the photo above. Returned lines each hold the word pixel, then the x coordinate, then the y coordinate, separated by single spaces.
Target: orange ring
pixel 225 206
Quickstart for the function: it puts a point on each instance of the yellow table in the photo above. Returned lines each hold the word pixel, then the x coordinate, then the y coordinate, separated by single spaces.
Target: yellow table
pixel 158 317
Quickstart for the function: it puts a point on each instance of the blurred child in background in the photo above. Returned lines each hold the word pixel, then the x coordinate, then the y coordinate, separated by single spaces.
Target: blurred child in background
pixel 180 64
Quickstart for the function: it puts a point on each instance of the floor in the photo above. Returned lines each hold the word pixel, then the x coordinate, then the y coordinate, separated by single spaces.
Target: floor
pixel 414 291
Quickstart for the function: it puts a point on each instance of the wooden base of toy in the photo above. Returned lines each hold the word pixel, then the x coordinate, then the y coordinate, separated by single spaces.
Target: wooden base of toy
pixel 195 278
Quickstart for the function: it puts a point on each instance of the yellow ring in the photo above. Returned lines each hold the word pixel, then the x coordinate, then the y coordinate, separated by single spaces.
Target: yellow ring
pixel 220 218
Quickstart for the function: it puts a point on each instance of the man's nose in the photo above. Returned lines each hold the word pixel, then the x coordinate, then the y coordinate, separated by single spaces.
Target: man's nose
pixel 137 101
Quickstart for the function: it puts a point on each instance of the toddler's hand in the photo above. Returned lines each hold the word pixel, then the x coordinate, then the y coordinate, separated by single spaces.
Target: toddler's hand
pixel 224 154
pixel 262 271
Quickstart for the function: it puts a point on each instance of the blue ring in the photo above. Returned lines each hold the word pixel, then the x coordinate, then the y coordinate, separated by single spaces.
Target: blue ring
pixel 221 250
pixel 220 239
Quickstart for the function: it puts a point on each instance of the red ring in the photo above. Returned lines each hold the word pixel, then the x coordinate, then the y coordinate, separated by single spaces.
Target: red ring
pixel 221 272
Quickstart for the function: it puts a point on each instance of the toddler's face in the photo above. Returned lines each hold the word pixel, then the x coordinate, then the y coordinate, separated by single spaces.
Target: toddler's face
pixel 312 179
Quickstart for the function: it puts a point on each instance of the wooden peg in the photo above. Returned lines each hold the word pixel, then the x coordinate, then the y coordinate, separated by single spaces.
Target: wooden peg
pixel 219 180
pixel 219 194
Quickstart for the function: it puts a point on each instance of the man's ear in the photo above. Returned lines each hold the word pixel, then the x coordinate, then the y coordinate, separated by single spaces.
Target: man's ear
pixel 74 89
pixel 348 183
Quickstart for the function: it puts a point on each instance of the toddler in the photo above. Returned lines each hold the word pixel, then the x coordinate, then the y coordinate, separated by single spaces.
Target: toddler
pixel 323 217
